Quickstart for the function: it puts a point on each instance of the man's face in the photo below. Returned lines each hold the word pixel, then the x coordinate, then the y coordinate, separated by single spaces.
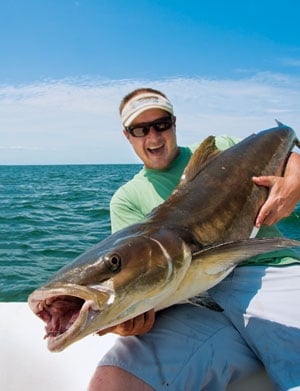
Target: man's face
pixel 157 149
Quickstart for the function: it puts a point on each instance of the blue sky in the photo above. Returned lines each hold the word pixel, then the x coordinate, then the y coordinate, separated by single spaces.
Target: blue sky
pixel 228 67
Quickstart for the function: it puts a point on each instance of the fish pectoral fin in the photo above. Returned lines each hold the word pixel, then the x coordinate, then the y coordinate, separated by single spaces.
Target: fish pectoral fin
pixel 204 299
pixel 222 257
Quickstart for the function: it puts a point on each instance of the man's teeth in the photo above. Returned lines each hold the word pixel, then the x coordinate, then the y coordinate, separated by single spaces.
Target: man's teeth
pixel 155 148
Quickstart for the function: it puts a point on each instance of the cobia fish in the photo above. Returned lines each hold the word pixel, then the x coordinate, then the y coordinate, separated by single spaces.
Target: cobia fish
pixel 185 246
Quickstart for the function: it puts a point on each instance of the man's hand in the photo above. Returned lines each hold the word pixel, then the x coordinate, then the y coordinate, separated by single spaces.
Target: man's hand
pixel 139 325
pixel 284 193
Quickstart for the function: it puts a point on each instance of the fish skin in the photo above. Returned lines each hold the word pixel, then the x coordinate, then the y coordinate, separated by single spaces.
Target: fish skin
pixel 184 247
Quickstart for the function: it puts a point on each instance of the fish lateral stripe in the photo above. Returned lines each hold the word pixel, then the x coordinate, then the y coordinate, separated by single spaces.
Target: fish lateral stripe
pixel 167 257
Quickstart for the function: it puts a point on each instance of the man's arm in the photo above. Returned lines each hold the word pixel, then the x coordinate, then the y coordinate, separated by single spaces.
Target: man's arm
pixel 284 193
pixel 122 213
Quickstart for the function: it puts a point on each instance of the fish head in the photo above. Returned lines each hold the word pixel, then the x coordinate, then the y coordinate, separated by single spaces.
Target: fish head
pixel 107 286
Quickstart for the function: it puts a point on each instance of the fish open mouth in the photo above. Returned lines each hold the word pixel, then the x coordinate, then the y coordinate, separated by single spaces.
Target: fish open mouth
pixel 59 313
pixel 66 316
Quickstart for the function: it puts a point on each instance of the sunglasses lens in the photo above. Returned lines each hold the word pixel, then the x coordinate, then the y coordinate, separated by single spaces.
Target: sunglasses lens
pixel 140 131
pixel 159 125
pixel 163 125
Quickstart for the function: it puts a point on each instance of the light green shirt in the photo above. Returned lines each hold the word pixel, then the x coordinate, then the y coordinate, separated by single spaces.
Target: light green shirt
pixel 133 201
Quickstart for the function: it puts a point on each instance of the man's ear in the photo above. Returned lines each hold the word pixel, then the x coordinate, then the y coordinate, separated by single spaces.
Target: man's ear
pixel 126 134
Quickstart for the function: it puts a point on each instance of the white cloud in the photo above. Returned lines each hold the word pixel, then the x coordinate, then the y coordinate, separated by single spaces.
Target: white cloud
pixel 76 120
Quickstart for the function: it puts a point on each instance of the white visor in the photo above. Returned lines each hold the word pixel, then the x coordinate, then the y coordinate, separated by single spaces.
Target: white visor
pixel 142 102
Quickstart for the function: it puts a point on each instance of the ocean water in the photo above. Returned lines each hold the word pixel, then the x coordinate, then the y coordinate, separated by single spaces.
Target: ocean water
pixel 48 216
pixel 51 214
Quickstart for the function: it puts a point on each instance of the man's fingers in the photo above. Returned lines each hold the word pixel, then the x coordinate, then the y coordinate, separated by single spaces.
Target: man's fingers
pixel 149 319
pixel 266 181
pixel 139 325
pixel 143 323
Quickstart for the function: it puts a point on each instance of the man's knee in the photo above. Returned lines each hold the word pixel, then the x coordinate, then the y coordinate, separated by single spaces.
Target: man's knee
pixel 111 378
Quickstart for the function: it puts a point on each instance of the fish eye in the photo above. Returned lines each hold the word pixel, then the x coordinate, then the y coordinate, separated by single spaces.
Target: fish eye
pixel 113 262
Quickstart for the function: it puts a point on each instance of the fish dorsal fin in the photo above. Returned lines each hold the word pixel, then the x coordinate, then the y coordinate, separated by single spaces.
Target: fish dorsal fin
pixel 204 153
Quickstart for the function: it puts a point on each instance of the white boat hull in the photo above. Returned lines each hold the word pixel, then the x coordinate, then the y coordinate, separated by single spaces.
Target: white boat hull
pixel 26 363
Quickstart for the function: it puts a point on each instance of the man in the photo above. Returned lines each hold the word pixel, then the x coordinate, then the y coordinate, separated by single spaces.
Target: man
pixel 187 347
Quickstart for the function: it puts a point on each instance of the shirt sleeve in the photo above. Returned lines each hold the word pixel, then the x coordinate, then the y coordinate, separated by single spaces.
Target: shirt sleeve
pixel 122 212
pixel 224 142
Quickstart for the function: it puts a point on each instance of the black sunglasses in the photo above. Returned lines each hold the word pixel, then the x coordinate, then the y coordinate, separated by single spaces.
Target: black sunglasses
pixel 160 125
